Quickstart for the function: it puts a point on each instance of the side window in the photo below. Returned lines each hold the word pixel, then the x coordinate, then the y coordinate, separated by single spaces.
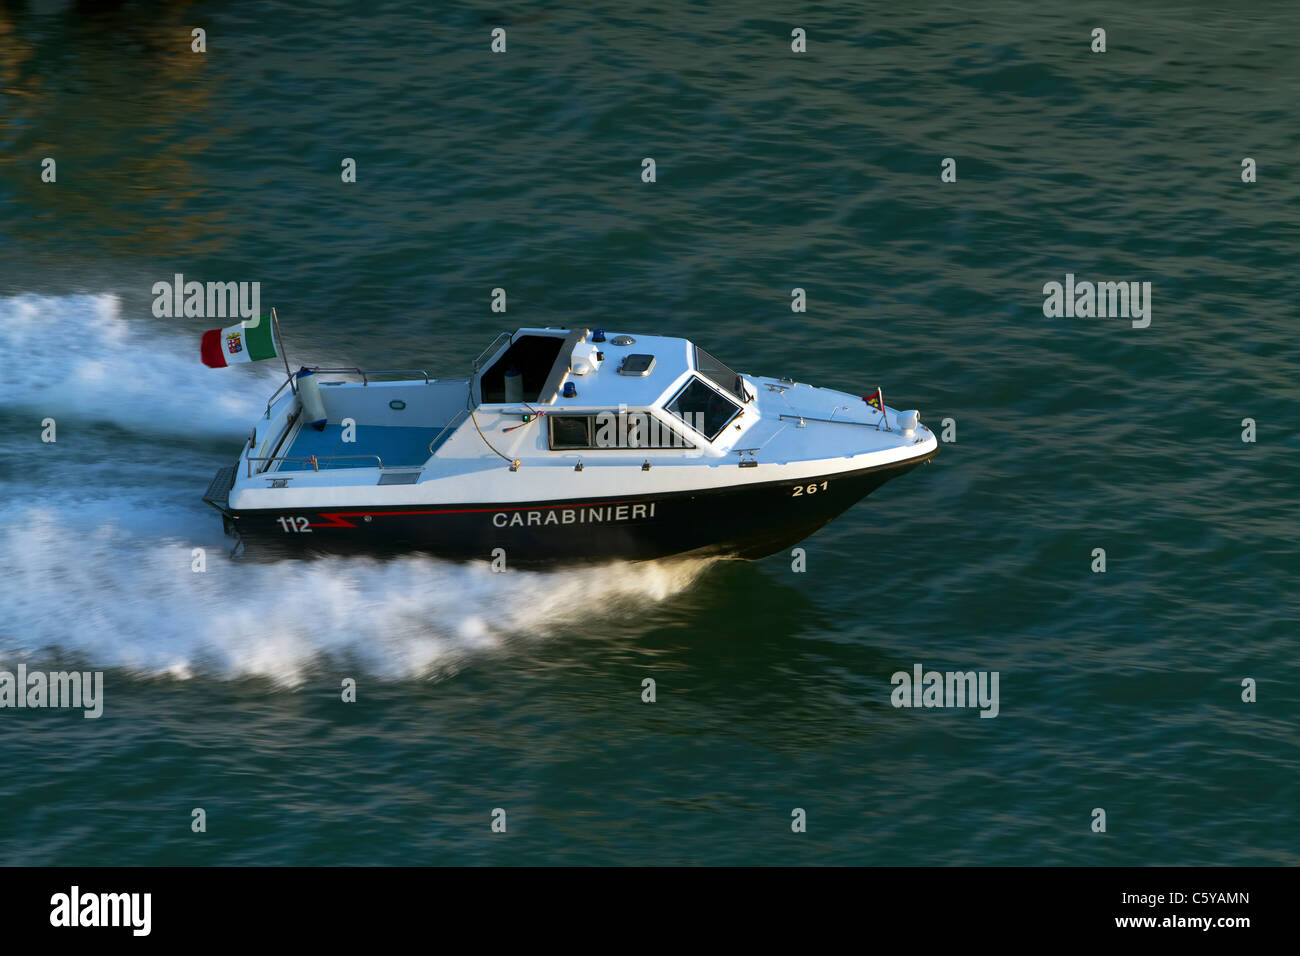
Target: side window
pixel 570 431
pixel 635 430
pixel 610 429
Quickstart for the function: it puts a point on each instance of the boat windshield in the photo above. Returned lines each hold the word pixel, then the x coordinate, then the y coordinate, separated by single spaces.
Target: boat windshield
pixel 703 408
pixel 720 374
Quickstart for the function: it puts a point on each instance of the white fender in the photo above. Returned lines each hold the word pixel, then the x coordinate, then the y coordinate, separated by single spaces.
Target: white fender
pixel 313 408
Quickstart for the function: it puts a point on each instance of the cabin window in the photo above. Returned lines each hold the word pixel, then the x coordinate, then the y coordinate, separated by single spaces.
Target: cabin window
pixel 703 408
pixel 721 375
pixel 570 431
pixel 612 430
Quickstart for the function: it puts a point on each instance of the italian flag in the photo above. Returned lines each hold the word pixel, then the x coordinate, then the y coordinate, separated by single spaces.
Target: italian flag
pixel 245 342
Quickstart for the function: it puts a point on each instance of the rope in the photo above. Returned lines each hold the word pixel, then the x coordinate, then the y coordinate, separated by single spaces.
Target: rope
pixel 514 462
pixel 535 415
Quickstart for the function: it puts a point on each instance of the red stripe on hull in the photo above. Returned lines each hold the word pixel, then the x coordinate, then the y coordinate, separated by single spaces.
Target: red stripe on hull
pixel 336 517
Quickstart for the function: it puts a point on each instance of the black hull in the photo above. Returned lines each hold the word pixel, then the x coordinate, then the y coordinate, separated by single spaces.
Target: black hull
pixel 745 522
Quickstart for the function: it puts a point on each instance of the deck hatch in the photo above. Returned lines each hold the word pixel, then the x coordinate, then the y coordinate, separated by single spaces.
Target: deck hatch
pixel 399 478
pixel 639 365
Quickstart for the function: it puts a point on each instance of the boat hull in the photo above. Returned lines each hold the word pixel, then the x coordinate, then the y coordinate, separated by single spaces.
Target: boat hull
pixel 744 521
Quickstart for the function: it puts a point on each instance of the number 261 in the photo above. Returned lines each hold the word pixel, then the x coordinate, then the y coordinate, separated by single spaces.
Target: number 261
pixel 809 489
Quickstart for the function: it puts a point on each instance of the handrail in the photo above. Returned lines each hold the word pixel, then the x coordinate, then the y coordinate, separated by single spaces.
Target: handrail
pixel 496 343
pixel 829 421
pixel 365 379
pixel 456 418
pixel 314 459
pixel 271 400
pixel 365 376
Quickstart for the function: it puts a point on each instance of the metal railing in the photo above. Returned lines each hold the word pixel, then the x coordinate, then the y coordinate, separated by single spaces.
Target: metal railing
pixel 365 378
pixel 271 401
pixel 457 419
pixel 314 459
pixel 831 421
pixel 487 352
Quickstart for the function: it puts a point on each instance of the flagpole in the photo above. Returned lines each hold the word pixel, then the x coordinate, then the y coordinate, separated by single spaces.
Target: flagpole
pixel 879 391
pixel 284 355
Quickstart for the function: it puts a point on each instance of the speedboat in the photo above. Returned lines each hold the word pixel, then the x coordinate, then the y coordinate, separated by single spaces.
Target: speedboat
pixel 561 446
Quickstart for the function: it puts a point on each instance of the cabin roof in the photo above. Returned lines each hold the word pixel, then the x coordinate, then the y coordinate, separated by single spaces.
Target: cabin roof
pixel 606 386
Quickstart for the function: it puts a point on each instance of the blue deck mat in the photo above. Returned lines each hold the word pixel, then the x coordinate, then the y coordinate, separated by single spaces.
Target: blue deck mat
pixel 397 445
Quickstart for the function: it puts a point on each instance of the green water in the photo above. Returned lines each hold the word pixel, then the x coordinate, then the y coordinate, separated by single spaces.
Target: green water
pixel 522 171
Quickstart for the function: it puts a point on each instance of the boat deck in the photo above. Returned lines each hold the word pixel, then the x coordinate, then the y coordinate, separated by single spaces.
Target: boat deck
pixel 397 446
